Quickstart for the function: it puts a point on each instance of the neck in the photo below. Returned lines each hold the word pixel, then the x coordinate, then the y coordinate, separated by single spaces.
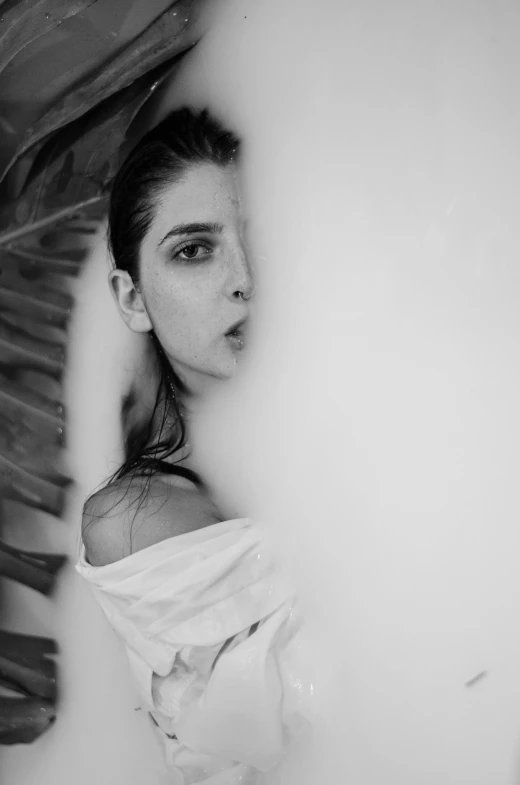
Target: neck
pixel 202 387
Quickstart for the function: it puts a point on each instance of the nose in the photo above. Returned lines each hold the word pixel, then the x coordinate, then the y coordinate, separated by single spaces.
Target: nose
pixel 241 282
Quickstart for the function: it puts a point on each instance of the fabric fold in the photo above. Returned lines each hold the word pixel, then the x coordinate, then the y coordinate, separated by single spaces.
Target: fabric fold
pixel 206 618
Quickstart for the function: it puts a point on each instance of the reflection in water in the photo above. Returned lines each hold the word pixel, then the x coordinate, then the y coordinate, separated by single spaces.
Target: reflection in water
pixel 376 429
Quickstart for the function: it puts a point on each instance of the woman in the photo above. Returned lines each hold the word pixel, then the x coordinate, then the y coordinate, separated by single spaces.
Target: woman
pixel 207 620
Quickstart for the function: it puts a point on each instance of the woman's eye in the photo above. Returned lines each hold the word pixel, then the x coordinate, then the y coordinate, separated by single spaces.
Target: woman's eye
pixel 192 252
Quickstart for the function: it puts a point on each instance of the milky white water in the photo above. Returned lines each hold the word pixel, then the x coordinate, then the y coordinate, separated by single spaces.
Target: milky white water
pixel 375 425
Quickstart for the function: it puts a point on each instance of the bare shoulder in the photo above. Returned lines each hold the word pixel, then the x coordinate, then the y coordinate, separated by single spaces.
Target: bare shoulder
pixel 129 515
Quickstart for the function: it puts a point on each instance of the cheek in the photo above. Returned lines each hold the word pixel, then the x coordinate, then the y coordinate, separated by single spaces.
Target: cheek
pixel 184 320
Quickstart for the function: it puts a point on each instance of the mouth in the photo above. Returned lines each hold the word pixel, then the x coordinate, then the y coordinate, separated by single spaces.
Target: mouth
pixel 235 335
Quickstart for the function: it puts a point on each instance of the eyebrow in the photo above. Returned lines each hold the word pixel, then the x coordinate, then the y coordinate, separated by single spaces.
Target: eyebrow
pixel 195 228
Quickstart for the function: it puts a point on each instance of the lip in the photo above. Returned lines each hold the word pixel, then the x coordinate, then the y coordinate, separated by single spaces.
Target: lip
pixel 236 342
pixel 237 326
pixel 235 335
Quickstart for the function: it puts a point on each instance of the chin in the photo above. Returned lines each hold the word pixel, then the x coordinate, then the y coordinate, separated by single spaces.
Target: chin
pixel 229 368
pixel 226 362
pixel 219 371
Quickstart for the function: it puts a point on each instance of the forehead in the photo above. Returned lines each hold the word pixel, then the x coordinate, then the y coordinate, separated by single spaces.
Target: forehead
pixel 205 193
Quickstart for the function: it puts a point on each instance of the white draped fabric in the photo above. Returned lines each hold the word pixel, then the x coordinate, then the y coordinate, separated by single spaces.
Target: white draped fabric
pixel 209 626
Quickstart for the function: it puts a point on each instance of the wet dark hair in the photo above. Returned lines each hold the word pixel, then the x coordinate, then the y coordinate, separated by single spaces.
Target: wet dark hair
pixel 185 138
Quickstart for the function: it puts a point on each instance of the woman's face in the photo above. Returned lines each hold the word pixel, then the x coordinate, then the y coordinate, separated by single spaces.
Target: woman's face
pixel 193 269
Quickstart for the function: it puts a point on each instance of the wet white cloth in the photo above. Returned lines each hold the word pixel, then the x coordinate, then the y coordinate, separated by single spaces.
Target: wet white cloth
pixel 209 626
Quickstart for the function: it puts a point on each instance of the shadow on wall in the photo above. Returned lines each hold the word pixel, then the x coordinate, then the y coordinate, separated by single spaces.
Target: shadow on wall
pixel 98 735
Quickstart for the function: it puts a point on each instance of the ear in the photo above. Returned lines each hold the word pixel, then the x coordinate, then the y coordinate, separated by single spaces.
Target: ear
pixel 129 301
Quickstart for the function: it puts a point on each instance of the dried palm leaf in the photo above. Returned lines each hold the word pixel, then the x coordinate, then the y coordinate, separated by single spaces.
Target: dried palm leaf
pixel 170 33
pixel 36 570
pixel 59 176
pixel 24 21
pixel 28 676
pixel 23 719
pixel 25 664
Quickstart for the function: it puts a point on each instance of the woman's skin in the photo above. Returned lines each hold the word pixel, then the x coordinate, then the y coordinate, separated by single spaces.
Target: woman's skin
pixel 191 278
pixel 190 282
